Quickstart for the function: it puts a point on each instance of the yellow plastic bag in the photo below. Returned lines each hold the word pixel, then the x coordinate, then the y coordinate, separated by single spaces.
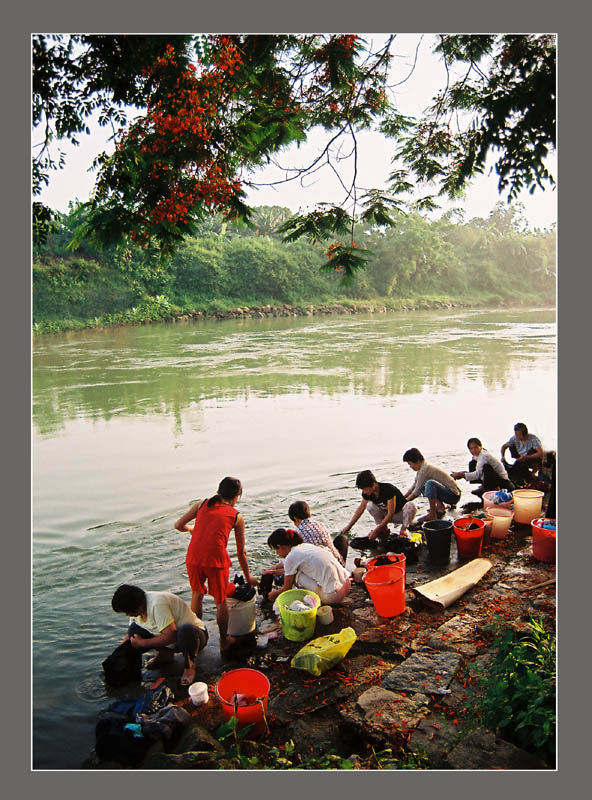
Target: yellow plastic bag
pixel 323 653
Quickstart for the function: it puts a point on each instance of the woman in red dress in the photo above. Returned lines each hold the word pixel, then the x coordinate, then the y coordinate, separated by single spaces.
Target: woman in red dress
pixel 207 555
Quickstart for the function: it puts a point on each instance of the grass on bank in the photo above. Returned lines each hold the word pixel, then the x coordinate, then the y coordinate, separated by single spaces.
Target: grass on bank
pixel 160 307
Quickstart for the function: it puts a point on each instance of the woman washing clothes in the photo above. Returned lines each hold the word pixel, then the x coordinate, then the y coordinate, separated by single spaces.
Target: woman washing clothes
pixel 307 566
pixel 485 469
pixel 207 555
pixel 385 504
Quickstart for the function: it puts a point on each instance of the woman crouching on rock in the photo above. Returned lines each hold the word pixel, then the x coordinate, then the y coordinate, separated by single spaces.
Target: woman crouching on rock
pixel 307 566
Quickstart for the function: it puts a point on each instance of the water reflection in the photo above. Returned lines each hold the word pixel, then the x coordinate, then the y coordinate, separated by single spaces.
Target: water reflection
pixel 166 369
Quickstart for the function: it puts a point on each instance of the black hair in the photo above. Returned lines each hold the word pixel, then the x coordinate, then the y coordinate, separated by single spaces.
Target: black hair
pixel 413 454
pixel 228 489
pixel 128 599
pixel 299 510
pixel 474 440
pixel 284 536
pixel 520 426
pixel 365 479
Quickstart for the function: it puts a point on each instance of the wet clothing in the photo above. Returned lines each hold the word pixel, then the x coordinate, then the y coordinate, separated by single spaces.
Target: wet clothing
pixel 316 533
pixel 316 569
pixel 442 486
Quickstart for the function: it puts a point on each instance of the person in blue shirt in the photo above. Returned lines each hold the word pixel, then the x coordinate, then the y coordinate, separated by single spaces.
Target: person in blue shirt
pixel 527 449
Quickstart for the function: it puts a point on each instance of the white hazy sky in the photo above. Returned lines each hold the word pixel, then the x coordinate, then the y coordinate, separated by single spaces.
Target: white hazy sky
pixel 374 154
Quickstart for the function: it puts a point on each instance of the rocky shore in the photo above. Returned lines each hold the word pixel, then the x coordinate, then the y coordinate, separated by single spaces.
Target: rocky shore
pixel 287 310
pixel 401 698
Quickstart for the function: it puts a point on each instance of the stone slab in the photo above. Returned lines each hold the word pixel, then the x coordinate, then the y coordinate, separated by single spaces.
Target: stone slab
pixel 434 737
pixel 384 717
pixel 428 671
pixel 388 714
pixel 482 749
pixel 455 635
pixel 196 738
pixel 521 576
pixel 367 614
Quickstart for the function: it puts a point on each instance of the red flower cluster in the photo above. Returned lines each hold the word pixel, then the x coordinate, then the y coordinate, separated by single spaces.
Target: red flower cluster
pixel 332 248
pixel 178 141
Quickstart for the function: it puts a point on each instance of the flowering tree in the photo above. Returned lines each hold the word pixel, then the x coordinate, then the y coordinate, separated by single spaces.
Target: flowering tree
pixel 216 107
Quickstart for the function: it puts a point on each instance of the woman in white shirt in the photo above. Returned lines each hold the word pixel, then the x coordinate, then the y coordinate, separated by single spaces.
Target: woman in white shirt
pixel 307 566
pixel 485 469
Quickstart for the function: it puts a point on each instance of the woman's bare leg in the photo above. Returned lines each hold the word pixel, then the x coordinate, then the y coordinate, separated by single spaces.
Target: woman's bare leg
pixel 222 620
pixel 197 603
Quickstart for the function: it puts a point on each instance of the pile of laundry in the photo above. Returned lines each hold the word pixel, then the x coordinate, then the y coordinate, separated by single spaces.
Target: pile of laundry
pixel 306 604
pixel 129 726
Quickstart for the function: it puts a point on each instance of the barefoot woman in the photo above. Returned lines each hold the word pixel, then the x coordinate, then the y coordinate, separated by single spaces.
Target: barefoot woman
pixel 207 557
pixel 163 622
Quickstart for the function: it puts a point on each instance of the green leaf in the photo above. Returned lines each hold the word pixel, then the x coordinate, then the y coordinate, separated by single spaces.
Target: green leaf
pixel 227 728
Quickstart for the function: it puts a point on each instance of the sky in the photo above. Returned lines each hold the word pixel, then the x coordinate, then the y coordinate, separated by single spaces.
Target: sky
pixel 374 154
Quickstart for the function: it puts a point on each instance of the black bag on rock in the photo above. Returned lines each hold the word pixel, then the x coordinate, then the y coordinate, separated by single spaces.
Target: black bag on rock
pixel 400 544
pixel 124 665
pixel 114 742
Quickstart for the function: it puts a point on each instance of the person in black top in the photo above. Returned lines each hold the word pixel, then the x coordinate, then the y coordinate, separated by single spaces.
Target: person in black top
pixel 385 502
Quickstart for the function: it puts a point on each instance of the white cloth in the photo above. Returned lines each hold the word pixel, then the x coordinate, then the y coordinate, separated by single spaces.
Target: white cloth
pixel 485 457
pixel 298 605
pixel 162 608
pixel 317 565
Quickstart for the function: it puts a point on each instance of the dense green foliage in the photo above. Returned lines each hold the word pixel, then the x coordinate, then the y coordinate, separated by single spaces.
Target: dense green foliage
pixel 485 260
pixel 520 696
pixel 214 108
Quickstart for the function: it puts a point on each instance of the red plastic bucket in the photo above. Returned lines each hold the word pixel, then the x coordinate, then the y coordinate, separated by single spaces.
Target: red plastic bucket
pixel 468 543
pixel 386 586
pixel 544 541
pixel 247 686
pixel 394 558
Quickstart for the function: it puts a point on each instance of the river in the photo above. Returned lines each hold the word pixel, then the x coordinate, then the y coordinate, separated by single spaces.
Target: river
pixel 132 424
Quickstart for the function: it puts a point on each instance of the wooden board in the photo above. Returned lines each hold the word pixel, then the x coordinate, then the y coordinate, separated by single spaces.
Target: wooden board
pixel 442 592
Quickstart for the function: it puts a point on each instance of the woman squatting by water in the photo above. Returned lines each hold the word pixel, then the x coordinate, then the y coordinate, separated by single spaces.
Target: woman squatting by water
pixel 308 566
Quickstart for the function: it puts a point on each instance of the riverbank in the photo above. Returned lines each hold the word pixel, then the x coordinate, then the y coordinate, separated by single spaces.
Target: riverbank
pixel 163 312
pixel 407 695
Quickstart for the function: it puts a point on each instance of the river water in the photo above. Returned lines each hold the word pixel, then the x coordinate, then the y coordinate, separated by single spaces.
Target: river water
pixel 131 425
